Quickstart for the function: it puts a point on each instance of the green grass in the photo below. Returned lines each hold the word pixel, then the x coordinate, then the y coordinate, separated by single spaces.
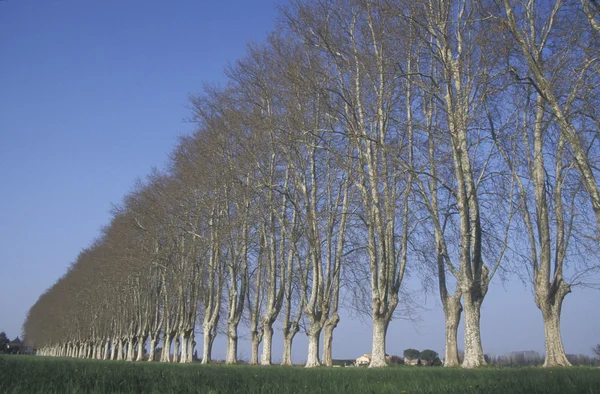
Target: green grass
pixel 29 374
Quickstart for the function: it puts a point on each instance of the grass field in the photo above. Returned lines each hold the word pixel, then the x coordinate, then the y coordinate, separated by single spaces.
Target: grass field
pixel 30 374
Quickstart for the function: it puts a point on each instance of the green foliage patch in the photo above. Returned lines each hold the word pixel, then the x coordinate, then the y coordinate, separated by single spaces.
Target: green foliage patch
pixel 29 374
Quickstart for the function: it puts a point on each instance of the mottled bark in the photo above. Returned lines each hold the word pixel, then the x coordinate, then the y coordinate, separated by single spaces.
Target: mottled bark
pixel 452 312
pixel 551 307
pixel 265 358
pixel 473 349
pixel 380 326
pixel 176 350
pixel 313 348
pixel 152 350
pixel 255 339
pixel 232 344
pixel 183 340
pixel 330 325
pixel 120 349
pixel 141 342
pixel 288 338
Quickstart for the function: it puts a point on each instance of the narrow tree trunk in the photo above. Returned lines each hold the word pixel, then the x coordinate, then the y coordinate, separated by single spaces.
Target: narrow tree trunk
pixel 267 344
pixel 140 347
pixel 473 349
pixel 166 351
pixel 113 349
pixel 330 325
pixel 232 344
pixel 191 346
pixel 288 338
pixel 120 349
pixel 207 350
pixel 380 326
pixel 152 349
pixel 313 348
pixel 255 340
pixel 452 311
pixel 176 350
pixel 184 347
pixel 107 350
pixel 130 348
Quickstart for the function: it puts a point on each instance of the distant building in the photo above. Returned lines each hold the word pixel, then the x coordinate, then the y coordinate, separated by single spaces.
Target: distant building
pixel 415 361
pixel 17 347
pixel 365 359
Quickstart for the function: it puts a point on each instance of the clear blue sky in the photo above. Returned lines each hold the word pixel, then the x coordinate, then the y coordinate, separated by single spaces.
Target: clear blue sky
pixel 93 94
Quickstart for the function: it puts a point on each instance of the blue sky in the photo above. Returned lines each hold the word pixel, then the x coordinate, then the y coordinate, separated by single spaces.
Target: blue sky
pixel 94 94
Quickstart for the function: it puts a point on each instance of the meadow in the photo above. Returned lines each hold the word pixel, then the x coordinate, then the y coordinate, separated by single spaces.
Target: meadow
pixel 31 374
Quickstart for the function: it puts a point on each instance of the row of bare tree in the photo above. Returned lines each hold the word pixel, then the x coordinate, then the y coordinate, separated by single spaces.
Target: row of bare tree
pixel 365 140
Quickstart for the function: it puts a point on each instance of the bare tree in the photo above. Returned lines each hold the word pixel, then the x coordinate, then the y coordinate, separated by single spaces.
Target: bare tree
pixel 537 26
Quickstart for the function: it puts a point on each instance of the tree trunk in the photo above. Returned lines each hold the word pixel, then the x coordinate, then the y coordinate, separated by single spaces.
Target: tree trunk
pixel 380 325
pixel 313 348
pixel 473 349
pixel 120 349
pixel 130 348
pixel 232 343
pixel 140 348
pixel 152 349
pixel 555 352
pixel 255 340
pixel 288 338
pixel 191 346
pixel 113 349
pixel 328 339
pixel 551 307
pixel 166 351
pixel 207 350
pixel 106 352
pixel 184 347
pixel 176 350
pixel 452 311
pixel 267 344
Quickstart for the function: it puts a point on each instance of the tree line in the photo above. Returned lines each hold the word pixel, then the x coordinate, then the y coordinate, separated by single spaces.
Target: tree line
pixel 362 142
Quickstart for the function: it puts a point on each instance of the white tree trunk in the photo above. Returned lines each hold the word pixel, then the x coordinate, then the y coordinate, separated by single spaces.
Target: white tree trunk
pixel 106 349
pixel 130 348
pixel 152 349
pixel 313 349
pixel 113 350
pixel 452 311
pixel 288 340
pixel 473 349
pixel 207 349
pixel 140 348
pixel 380 326
pixel 551 306
pixel 166 351
pixel 555 352
pixel 331 324
pixel 254 344
pixel 184 347
pixel 120 350
pixel 232 344
pixel 191 346
pixel 267 345
pixel 176 350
